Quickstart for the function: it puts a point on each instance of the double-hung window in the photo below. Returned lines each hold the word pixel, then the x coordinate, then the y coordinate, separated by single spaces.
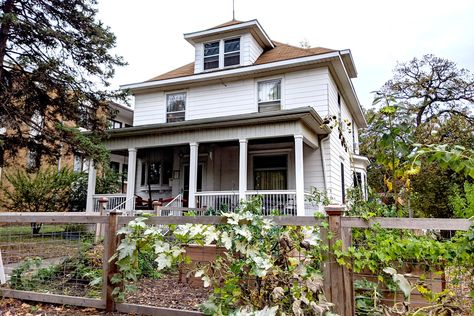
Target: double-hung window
pixel 211 55
pixel 232 52
pixel 269 95
pixel 175 107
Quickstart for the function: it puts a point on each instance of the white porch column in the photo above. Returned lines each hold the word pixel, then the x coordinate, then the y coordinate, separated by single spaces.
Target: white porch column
pixel 243 144
pixel 91 178
pixel 299 175
pixel 131 176
pixel 193 170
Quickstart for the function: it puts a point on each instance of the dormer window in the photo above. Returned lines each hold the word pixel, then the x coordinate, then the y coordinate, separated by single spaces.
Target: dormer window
pixel 223 53
pixel 211 55
pixel 232 52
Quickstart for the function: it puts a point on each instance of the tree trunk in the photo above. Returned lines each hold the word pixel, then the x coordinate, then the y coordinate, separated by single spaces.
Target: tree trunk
pixel 36 227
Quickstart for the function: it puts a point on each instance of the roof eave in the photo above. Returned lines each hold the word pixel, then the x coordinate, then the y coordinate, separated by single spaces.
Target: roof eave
pixel 307 114
pixel 191 37
pixel 133 87
pixel 349 63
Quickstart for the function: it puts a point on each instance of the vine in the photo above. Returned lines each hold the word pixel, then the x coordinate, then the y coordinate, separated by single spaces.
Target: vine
pixel 266 269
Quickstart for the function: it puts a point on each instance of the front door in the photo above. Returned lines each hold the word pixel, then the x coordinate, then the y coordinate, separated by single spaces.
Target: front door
pixel 186 183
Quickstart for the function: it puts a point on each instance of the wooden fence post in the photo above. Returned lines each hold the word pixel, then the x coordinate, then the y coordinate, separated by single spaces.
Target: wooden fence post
pixel 157 207
pixel 100 228
pixel 110 268
pixel 341 286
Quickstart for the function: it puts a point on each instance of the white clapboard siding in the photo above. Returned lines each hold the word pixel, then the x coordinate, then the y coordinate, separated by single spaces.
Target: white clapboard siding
pixel 149 109
pixel 221 99
pixel 307 88
pixel 313 172
pixel 250 50
pixel 337 153
pixel 198 58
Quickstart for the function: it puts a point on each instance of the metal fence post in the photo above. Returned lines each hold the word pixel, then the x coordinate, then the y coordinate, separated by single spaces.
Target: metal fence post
pixel 341 287
pixel 110 267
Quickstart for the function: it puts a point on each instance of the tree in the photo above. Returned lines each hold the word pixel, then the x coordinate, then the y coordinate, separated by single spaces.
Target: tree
pixel 427 102
pixel 55 69
pixel 48 190
pixel 430 88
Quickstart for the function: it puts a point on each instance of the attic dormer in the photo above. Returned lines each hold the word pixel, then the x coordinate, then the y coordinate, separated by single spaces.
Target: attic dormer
pixel 228 45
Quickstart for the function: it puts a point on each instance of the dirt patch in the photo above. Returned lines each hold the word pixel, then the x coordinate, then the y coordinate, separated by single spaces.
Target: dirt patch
pixel 12 307
pixel 168 292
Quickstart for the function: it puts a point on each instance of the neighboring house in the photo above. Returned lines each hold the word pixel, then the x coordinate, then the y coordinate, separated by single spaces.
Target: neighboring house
pixel 244 119
pixel 26 160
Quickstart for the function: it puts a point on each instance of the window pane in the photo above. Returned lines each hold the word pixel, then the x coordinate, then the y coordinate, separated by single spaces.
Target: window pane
pixel 269 91
pixel 154 173
pixel 176 102
pixel 211 49
pixel 77 163
pixel 232 59
pixel 211 62
pixel 115 166
pixel 232 45
pixel 175 117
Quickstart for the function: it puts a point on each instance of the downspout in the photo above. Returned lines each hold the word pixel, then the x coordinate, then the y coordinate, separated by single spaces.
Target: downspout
pixel 323 162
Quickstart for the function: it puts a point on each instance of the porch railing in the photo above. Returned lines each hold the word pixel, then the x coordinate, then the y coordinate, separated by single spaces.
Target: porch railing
pixel 310 206
pixel 177 201
pixel 116 201
pixel 284 202
pixel 217 200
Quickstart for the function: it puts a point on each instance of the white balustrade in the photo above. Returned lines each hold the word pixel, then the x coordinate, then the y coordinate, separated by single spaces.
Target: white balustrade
pixel 116 201
pixel 218 201
pixel 276 202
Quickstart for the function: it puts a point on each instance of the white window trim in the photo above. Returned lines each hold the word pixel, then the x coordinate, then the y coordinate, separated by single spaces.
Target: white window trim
pixel 218 55
pixel 185 104
pixel 282 91
pixel 269 152
pixel 221 53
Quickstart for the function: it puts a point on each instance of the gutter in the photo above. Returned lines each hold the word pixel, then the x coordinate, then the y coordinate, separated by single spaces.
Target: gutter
pixel 323 162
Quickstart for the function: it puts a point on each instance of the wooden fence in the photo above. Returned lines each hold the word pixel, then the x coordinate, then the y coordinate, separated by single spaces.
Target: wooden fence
pixel 338 280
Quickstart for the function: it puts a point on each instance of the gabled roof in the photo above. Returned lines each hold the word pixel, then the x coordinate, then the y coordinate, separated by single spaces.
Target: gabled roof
pixel 279 53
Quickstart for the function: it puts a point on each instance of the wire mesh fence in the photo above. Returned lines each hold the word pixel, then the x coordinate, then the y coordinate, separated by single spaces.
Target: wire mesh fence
pixel 424 258
pixel 58 258
pixel 66 257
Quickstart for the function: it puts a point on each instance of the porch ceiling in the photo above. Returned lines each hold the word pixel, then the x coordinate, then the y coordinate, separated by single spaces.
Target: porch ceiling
pixel 304 121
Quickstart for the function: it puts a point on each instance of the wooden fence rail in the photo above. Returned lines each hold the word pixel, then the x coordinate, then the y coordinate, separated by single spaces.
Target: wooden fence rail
pixel 338 280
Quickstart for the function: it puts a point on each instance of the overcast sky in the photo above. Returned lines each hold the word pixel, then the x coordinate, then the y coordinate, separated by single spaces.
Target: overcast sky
pixel 379 33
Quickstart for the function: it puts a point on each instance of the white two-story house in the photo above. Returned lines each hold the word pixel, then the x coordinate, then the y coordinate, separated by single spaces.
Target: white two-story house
pixel 245 118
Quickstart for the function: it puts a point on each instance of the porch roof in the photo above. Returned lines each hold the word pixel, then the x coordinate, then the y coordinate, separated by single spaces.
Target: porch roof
pixel 305 121
pixel 309 116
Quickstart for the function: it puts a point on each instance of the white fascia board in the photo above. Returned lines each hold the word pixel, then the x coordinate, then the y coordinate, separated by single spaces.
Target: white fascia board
pixel 253 23
pixel 233 72
pixel 347 52
pixel 348 86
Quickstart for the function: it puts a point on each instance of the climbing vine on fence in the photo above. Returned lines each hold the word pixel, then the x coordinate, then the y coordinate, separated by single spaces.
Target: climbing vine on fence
pixel 266 269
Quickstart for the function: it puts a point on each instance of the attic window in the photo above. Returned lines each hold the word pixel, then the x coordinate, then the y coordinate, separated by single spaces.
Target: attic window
pixel 211 55
pixel 232 52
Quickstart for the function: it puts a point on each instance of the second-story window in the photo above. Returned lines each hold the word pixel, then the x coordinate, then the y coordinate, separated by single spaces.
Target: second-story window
pixel 269 95
pixel 232 52
pixel 211 55
pixel 175 107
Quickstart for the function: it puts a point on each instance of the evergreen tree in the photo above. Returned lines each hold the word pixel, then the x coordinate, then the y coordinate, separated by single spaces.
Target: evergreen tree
pixel 56 64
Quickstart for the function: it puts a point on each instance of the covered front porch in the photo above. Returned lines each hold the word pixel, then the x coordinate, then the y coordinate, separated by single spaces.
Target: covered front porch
pixel 226 166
